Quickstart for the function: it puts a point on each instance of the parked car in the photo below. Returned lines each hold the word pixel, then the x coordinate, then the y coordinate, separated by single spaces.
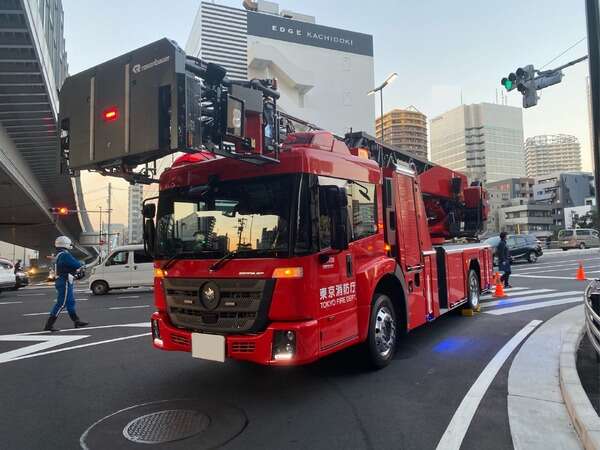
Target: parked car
pixel 8 279
pixel 578 238
pixel 520 247
pixel 126 266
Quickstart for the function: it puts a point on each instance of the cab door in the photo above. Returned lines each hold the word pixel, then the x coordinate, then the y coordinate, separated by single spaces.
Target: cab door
pixel 410 252
pixel 336 279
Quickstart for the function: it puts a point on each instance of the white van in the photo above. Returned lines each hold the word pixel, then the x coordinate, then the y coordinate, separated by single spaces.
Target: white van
pixel 7 275
pixel 126 266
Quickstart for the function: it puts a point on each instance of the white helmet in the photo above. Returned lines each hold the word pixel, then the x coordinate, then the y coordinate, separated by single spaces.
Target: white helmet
pixel 63 242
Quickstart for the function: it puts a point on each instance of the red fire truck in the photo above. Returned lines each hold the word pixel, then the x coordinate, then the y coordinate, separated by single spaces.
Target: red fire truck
pixel 274 241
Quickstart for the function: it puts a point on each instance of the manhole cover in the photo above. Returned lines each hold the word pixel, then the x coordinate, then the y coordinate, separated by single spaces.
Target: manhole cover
pixel 166 426
pixel 180 424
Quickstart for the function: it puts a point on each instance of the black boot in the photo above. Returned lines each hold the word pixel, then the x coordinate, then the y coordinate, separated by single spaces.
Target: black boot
pixel 76 321
pixel 50 324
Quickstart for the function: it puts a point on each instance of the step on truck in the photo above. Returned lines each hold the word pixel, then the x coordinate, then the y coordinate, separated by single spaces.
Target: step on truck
pixel 274 241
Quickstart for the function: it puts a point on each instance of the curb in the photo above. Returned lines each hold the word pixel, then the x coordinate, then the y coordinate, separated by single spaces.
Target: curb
pixel 584 418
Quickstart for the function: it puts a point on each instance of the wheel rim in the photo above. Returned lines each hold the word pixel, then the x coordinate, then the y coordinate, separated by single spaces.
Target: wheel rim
pixel 533 257
pixel 385 332
pixel 582 246
pixel 473 290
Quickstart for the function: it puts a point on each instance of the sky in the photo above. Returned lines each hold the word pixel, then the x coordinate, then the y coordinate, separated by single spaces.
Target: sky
pixel 442 51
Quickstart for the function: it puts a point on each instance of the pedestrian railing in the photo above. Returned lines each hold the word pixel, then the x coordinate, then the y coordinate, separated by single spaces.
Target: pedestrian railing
pixel 591 300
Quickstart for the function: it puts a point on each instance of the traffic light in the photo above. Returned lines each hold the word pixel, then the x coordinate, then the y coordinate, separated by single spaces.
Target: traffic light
pixel 523 79
pixel 62 211
pixel 526 85
pixel 509 82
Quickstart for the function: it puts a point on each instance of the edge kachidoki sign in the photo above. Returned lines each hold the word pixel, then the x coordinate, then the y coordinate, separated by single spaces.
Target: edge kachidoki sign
pixel 275 27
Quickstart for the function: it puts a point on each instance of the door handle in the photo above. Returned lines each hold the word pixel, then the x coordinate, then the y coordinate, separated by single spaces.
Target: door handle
pixel 127 267
pixel 349 265
pixel 134 267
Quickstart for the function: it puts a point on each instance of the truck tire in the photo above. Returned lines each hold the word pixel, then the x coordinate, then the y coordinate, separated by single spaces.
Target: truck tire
pixel 99 288
pixel 381 342
pixel 532 257
pixel 473 290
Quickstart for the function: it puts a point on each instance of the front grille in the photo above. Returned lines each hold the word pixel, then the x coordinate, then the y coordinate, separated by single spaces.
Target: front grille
pixel 242 307
pixel 243 347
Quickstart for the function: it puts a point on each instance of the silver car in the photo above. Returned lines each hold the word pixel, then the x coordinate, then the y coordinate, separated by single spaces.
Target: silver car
pixel 578 238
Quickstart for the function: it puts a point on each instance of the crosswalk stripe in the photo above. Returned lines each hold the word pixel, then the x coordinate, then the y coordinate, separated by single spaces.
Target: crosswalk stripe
pixel 522 293
pixel 530 306
pixel 542 270
pixel 528 299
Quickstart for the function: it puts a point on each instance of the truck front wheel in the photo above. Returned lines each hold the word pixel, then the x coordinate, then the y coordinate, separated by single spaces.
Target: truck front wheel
pixel 381 343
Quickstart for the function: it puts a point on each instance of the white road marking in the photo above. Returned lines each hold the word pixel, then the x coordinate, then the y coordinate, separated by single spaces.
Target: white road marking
pixel 461 420
pixel 542 270
pixel 130 307
pixel 29 295
pixel 75 347
pixel 519 299
pixel 48 341
pixel 541 276
pixel 47 313
pixel 9 303
pixel 522 293
pixel 530 306
pixel 130 296
pixel 120 325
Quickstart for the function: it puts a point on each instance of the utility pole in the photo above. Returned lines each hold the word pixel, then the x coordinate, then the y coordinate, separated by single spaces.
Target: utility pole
pixel 109 211
pixel 592 12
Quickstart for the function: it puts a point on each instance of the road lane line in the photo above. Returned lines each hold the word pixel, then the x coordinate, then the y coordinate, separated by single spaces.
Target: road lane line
pixel 29 295
pixel 541 270
pixel 130 307
pixel 98 327
pixel 528 299
pixel 47 342
pixel 541 276
pixel 522 293
pixel 130 296
pixel 461 420
pixel 9 303
pixel 75 347
pixel 530 306
pixel 42 314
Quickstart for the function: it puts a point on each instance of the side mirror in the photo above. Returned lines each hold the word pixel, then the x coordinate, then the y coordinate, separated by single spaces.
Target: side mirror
pixel 149 236
pixel 337 204
pixel 149 210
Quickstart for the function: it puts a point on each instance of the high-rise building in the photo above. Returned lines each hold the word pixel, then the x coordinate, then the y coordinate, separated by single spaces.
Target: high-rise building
pixel 135 219
pixel 484 141
pixel 323 73
pixel 405 129
pixel 552 153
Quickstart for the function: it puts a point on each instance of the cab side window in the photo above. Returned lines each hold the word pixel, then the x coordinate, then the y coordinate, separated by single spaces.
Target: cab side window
pixel 118 258
pixel 140 257
pixel 363 210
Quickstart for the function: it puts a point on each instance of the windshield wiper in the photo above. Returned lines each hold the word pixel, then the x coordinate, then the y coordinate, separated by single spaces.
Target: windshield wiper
pixel 221 261
pixel 176 256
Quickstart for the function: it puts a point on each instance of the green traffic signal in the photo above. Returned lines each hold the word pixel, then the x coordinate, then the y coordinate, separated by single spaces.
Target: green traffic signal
pixel 508 84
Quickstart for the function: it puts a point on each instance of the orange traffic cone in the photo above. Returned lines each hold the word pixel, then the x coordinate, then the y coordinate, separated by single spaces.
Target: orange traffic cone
pixel 580 276
pixel 499 290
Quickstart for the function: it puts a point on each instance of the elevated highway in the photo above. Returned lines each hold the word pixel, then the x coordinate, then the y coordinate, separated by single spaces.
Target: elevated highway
pixel 32 179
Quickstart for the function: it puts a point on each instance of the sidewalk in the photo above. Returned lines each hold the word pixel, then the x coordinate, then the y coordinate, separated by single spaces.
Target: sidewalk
pixel 537 412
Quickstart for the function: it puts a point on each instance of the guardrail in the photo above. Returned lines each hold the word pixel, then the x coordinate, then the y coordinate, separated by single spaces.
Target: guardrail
pixel 591 300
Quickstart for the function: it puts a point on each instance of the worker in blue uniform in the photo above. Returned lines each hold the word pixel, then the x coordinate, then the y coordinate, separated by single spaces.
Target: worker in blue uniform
pixel 67 270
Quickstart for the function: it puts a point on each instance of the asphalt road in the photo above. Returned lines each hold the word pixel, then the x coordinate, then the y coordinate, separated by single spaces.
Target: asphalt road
pixel 55 387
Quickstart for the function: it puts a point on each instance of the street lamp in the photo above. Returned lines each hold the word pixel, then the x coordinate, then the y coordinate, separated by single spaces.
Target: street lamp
pixel 391 77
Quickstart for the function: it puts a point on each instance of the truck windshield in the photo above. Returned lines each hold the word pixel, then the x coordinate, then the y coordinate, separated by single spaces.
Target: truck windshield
pixel 252 217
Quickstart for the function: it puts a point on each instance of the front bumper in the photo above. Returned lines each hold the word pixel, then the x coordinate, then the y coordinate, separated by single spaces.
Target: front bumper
pixel 257 348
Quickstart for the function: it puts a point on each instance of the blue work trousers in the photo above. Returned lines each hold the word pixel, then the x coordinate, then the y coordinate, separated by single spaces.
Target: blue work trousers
pixel 64 296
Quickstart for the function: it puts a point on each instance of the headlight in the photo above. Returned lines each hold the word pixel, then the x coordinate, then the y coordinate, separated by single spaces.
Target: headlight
pixel 284 345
